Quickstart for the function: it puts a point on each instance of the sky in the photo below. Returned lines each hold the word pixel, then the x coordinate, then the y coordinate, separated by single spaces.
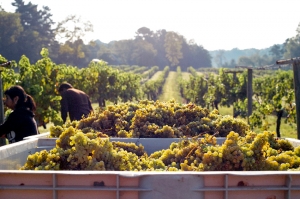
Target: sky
pixel 213 24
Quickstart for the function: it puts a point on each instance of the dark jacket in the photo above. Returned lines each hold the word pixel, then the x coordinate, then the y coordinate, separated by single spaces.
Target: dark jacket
pixel 22 122
pixel 76 103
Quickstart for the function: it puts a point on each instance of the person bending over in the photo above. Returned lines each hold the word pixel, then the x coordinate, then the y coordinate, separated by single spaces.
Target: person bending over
pixel 75 102
pixel 20 122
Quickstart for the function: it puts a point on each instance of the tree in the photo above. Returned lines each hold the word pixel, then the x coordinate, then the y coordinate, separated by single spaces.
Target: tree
pixel 107 55
pixel 276 52
pixel 292 48
pixel 199 57
pixel 220 58
pixel 292 45
pixel 245 61
pixel 72 53
pixel 10 31
pixel 144 33
pixel 259 60
pixel 158 44
pixel 38 32
pixel 70 32
pixel 72 28
pixel 232 64
pixel 173 45
pixel 143 53
pixel 157 40
pixel 123 49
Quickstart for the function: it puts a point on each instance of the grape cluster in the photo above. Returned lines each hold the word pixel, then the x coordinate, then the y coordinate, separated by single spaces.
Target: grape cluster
pixel 155 119
pixel 252 152
pixel 130 147
pixel 78 150
pixel 85 144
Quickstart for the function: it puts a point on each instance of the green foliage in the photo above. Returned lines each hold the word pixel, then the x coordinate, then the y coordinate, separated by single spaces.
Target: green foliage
pixel 273 93
pixel 153 88
pixel 41 81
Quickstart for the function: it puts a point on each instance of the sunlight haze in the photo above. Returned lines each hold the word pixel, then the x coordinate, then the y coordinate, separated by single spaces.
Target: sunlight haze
pixel 214 24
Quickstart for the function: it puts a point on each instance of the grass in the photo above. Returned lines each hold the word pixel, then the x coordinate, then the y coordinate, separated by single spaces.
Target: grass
pixel 224 110
pixel 171 89
pixel 156 75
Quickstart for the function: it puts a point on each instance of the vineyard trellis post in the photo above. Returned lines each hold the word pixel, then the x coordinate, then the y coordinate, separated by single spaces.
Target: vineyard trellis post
pixel 296 70
pixel 249 93
pixel 1 104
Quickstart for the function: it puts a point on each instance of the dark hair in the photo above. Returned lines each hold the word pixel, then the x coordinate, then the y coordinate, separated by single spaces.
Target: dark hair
pixel 25 100
pixel 63 86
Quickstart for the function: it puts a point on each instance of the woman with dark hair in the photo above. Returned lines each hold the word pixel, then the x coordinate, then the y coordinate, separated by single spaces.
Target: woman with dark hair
pixel 20 122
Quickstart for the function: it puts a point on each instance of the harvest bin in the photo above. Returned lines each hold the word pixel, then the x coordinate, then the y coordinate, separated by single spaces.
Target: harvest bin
pixel 20 184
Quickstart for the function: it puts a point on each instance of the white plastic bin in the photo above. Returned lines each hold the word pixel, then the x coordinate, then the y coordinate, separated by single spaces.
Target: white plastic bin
pixel 136 185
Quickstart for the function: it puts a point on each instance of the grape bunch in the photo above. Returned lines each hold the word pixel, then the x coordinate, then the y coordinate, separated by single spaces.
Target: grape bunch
pixel 85 144
pixel 155 119
pixel 78 150
pixel 252 152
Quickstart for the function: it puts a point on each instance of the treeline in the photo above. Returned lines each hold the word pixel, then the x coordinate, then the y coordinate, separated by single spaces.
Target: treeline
pixel 258 58
pixel 28 30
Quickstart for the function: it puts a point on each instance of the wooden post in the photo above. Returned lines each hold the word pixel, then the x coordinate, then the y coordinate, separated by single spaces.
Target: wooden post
pixel 249 90
pixel 249 93
pixel 1 98
pixel 296 69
